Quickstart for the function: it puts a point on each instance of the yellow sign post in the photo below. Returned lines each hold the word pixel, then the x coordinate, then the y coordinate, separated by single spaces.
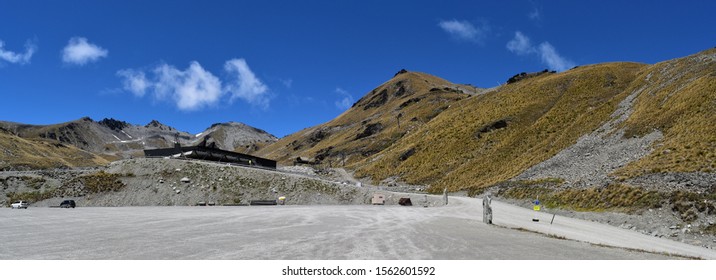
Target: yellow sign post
pixel 536 207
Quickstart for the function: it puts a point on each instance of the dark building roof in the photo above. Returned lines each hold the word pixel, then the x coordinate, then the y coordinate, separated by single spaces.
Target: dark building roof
pixel 212 154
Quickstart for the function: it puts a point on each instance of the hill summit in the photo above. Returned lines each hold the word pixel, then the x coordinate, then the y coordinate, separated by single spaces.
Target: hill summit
pixel 377 121
pixel 591 126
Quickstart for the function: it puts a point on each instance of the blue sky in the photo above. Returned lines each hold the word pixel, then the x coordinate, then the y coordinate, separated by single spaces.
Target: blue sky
pixel 286 65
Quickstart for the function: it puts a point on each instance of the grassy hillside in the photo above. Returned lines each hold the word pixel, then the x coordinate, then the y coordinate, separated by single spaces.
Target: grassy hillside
pixel 678 98
pixel 19 153
pixel 78 133
pixel 490 138
pixel 493 137
pixel 459 141
pixel 397 108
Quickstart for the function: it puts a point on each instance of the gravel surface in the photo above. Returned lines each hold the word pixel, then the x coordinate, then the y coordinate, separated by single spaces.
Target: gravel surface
pixel 310 232
pixel 592 232
pixel 695 182
pixel 158 182
pixel 661 222
pixel 154 182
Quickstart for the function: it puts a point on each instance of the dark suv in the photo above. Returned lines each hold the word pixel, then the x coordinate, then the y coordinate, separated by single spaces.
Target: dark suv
pixel 67 204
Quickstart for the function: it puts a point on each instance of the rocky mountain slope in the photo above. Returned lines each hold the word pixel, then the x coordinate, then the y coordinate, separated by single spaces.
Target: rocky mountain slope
pixel 399 107
pixel 494 137
pixel 622 136
pixel 114 139
pixel 239 137
pixel 589 126
pixel 17 153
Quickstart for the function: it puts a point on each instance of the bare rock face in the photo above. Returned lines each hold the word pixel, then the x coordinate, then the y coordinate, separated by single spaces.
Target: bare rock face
pixel 369 130
pixel 402 71
pixel 113 124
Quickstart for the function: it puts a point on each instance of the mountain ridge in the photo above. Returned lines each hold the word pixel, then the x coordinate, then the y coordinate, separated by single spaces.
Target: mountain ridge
pixel 632 143
pixel 477 141
pixel 115 139
pixel 421 129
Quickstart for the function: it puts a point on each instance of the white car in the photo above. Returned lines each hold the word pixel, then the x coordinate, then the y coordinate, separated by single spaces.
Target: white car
pixel 19 204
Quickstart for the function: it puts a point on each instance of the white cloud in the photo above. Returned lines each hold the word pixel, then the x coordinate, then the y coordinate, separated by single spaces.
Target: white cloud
pixel 20 58
pixel 346 102
pixel 195 88
pixel 79 51
pixel 288 83
pixel 190 89
pixel 520 45
pixel 534 14
pixel 246 86
pixel 553 59
pixel 134 81
pixel 464 30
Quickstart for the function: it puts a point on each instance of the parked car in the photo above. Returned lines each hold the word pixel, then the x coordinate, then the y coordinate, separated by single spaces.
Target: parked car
pixel 68 204
pixel 19 204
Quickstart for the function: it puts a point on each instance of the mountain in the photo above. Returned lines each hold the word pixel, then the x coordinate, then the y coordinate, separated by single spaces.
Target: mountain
pixel 109 137
pixel 239 137
pixel 614 121
pixel 623 137
pixel 496 136
pixel 17 153
pixel 591 126
pixel 398 107
pixel 115 139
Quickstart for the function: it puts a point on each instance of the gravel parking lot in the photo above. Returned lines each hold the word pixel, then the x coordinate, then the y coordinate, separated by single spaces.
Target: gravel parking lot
pixel 283 232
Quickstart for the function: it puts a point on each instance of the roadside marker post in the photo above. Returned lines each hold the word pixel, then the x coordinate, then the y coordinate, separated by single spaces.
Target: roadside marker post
pixel 536 208
pixel 487 210
pixel 445 196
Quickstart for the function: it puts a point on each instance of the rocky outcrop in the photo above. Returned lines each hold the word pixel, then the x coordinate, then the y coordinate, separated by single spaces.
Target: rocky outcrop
pixel 113 124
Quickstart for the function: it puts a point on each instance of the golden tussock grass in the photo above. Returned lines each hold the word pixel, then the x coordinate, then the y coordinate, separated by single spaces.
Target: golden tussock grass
pixel 544 115
pixel 42 154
